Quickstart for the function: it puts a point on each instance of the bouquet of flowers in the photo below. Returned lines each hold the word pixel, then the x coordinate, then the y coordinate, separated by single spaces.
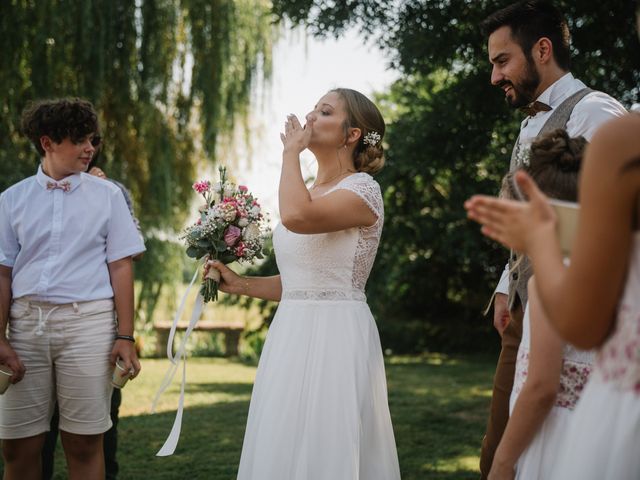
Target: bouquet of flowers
pixel 231 228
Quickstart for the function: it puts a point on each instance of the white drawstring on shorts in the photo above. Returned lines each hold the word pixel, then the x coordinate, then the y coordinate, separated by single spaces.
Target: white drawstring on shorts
pixel 42 322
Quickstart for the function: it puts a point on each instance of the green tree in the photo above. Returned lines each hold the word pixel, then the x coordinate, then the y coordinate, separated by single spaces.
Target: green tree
pixel 170 79
pixel 450 136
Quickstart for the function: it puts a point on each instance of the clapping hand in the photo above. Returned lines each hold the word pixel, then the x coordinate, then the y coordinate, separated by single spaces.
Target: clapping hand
pixel 296 137
pixel 516 225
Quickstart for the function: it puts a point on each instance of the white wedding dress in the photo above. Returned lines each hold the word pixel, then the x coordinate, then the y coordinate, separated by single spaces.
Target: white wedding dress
pixel 319 406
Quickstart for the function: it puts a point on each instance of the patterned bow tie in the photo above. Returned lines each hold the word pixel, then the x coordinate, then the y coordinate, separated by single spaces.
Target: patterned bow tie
pixel 64 185
pixel 535 107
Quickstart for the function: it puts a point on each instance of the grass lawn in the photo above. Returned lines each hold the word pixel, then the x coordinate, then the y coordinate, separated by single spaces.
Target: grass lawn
pixel 438 404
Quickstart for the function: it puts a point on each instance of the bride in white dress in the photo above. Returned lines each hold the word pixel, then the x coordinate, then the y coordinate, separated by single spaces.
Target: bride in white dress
pixel 319 406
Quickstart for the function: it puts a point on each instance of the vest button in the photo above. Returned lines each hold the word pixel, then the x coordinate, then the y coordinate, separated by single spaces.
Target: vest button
pixel 514 275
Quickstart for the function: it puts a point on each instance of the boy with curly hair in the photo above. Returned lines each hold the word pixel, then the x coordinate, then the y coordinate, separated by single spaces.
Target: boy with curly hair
pixel 66 294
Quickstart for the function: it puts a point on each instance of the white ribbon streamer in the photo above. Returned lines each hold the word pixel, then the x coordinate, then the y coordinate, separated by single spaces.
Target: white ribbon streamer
pixel 171 442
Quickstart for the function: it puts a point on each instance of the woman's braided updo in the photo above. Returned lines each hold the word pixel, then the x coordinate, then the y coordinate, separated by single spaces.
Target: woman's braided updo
pixel 555 163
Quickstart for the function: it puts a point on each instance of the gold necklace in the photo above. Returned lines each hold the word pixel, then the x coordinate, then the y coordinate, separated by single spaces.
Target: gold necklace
pixel 315 184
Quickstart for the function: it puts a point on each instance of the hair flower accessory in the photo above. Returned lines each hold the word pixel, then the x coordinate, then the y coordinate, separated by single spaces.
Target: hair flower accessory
pixel 372 138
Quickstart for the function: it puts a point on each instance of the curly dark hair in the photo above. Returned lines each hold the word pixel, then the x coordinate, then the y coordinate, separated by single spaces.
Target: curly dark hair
pixel 72 118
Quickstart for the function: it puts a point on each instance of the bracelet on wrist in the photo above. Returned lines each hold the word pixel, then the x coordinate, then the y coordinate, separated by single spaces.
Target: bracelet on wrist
pixel 126 337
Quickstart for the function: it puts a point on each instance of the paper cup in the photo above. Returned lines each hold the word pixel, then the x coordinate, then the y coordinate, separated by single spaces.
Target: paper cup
pixel 5 376
pixel 117 379
pixel 567 214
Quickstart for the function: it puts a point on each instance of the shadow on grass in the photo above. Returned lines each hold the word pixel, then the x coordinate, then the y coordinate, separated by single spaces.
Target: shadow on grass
pixel 234 389
pixel 438 405
pixel 209 447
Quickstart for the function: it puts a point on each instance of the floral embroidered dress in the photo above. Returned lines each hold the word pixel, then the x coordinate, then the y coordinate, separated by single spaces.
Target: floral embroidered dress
pixel 603 440
pixel 537 461
pixel 319 406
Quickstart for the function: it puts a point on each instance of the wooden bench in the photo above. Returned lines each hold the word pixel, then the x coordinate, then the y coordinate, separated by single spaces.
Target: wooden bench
pixel 231 332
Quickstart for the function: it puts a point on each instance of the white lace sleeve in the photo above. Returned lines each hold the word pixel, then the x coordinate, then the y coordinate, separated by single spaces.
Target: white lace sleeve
pixel 363 185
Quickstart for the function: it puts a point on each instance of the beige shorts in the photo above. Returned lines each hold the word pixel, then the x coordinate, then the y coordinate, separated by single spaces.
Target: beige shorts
pixel 65 349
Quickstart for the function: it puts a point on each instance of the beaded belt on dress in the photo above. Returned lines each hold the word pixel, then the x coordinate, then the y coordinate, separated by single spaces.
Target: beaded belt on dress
pixel 321 294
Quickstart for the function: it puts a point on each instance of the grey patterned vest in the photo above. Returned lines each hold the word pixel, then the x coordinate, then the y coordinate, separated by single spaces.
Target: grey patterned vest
pixel 519 276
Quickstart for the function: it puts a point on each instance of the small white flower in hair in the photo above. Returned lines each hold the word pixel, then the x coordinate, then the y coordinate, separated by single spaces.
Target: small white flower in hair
pixel 372 138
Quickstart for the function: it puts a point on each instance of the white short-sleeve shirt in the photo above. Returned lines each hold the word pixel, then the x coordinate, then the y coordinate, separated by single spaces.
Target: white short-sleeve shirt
pixel 59 242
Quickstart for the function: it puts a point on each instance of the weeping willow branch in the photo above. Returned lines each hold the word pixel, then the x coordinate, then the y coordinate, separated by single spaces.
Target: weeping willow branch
pixel 171 79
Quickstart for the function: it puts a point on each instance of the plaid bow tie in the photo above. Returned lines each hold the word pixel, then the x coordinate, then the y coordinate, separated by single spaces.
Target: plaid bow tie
pixel 64 185
pixel 535 107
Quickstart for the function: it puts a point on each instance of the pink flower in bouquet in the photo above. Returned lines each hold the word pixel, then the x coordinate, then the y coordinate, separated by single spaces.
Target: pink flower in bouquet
pixel 243 188
pixel 231 235
pixel 202 186
pixel 240 248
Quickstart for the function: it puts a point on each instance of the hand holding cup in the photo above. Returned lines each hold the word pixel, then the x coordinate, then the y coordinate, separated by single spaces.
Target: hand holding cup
pixel 5 378
pixel 120 375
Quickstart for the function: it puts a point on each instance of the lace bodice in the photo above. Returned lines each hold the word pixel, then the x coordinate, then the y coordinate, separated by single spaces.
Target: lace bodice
pixel 336 265
pixel 576 368
pixel 619 358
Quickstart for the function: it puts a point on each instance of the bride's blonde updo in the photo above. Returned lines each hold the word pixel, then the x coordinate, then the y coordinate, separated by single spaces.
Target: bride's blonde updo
pixel 362 113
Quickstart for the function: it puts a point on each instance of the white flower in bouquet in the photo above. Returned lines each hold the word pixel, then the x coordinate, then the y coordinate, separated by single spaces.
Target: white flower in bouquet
pixel 229 190
pixel 227 212
pixel 255 210
pixel 251 232
pixel 243 222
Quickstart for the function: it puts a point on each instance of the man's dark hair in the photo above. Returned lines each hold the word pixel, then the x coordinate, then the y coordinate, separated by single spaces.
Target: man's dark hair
pixel 71 118
pixel 531 20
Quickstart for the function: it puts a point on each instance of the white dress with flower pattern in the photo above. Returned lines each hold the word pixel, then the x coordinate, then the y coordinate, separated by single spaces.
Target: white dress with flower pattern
pixel 603 440
pixel 539 458
pixel 319 406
